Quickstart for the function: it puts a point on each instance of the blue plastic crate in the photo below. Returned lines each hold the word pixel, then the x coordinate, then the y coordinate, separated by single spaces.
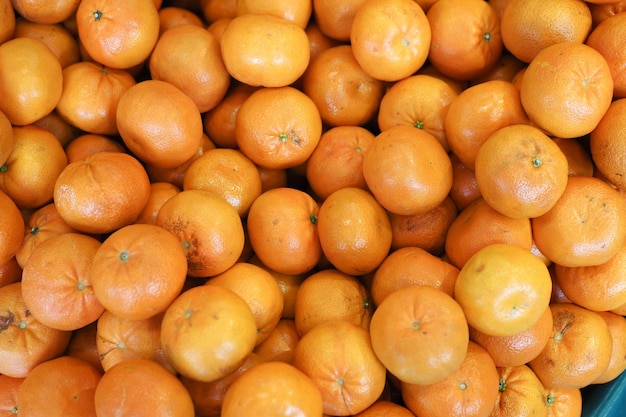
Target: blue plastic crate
pixel 605 400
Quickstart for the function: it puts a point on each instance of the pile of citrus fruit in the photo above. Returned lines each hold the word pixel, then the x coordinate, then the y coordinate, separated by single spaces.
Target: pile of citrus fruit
pixel 311 207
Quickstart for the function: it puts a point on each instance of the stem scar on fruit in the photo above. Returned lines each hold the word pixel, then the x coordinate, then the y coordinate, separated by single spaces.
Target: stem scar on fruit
pixel 124 256
pixel 6 320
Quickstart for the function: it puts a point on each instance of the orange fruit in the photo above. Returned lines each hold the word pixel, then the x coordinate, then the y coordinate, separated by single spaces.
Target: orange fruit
pixel 280 344
pixel 471 390
pixel 617 363
pixel 45 11
pixel 172 16
pixel 24 341
pixel 12 228
pixel 219 122
pixel 331 295
pixel 7 20
pixel 208 397
pixel 228 173
pixel 566 89
pixel 68 385
pixel 480 225
pixel 426 230
pixel 273 178
pixel 189 57
pixel 477 112
pixel 385 408
pixel 339 358
pixel 57 37
pixel 138 271
pixel 503 289
pixel 6 129
pixel 282 229
pixel 43 223
pixel 558 296
pixel 278 142
pixel 257 287
pixel 519 348
pixel 57 284
pixel 10 272
pixel 55 124
pixel 429 69
pixel 464 186
pixel 119 339
pixel 408 266
pixel 102 192
pixel 578 350
pixel 507 67
pixel 91 93
pixel 407 170
pixel 521 393
pixel 466 41
pixel 520 171
pixel 31 80
pixel 176 174
pixel 272 388
pixel 602 11
pixel 89 143
pixel 288 284
pixel 167 135
pixel 535 251
pixel 620 310
pixel 528 26
pixel 118 34
pixel 608 38
pixel 337 161
pixel 216 9
pixel 208 228
pixel 419 315
pixel 264 50
pixel 144 385
pixel 83 345
pixel 421 101
pixel 207 341
pixel 598 287
pixel 566 402
pixel 342 91
pixel 297 12
pixel 318 41
pixel 579 160
pixel 354 231
pixel 9 389
pixel 390 39
pixel 586 225
pixel 160 192
pixel 36 161
pixel 334 18
pixel 606 142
